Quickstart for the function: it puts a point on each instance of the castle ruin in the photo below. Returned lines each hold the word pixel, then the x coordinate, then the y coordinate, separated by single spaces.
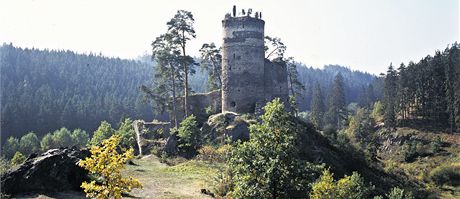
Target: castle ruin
pixel 249 80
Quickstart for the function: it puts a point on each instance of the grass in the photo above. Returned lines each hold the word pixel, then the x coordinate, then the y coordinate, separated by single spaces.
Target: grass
pixel 184 180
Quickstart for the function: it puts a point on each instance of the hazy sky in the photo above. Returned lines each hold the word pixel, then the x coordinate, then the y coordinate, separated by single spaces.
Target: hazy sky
pixel 362 34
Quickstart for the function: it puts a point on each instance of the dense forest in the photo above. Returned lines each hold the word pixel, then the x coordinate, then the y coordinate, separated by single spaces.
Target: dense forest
pixel 44 90
pixel 425 92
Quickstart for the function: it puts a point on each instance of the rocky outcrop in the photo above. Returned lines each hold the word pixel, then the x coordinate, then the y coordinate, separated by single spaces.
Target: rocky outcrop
pixel 53 171
pixel 227 124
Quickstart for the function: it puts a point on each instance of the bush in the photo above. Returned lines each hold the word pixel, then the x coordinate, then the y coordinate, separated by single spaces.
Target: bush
pixel 18 158
pixel 348 187
pixel 435 146
pixel 211 154
pixel 189 134
pixel 409 151
pixel 4 165
pixel 106 165
pixel 446 174
pixel 223 183
pixel 397 193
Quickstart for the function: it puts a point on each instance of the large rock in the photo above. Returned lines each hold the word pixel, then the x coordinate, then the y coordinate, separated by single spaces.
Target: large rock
pixel 227 124
pixel 53 171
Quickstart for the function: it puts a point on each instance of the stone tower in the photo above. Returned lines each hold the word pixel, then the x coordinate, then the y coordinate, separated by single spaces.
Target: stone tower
pixel 242 62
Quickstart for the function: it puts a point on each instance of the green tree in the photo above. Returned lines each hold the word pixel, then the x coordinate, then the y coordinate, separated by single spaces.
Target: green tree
pixel 127 134
pixel 211 61
pixel 317 107
pixel 168 78
pixel 80 138
pixel 296 88
pixel 18 158
pixel 29 144
pixel 269 165
pixel 103 132
pixel 181 29
pixel 10 147
pixel 189 134
pixel 390 98
pixel 336 113
pixel 62 138
pixel 378 111
pixel 47 142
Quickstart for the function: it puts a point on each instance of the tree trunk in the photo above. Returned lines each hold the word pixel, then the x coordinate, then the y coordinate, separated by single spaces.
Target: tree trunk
pixel 186 76
pixel 173 76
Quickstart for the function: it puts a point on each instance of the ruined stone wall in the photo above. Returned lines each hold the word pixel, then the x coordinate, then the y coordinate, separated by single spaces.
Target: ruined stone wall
pixel 242 63
pixel 276 83
pixel 199 102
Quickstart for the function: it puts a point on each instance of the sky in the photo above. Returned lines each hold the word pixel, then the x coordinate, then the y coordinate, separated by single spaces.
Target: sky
pixel 360 34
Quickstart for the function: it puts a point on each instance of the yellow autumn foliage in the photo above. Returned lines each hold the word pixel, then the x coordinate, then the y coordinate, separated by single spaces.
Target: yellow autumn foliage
pixel 106 165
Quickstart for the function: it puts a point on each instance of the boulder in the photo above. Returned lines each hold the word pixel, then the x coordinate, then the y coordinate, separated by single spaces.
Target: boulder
pixel 226 124
pixel 53 171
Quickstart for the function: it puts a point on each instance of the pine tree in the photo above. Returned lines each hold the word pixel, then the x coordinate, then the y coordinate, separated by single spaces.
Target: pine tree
pixel 390 98
pixel 211 61
pixel 317 107
pixel 296 88
pixel 180 27
pixel 336 110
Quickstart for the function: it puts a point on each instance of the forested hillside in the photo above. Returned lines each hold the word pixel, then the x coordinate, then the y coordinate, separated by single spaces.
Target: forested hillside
pixel 356 83
pixel 44 90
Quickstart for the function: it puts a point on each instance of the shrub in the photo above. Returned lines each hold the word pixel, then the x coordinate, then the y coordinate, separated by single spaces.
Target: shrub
pixel 211 154
pixel 435 146
pixel 398 193
pixel 189 134
pixel 106 165
pixel 446 174
pixel 409 151
pixel 18 158
pixel 348 187
pixel 4 165
pixel 223 183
